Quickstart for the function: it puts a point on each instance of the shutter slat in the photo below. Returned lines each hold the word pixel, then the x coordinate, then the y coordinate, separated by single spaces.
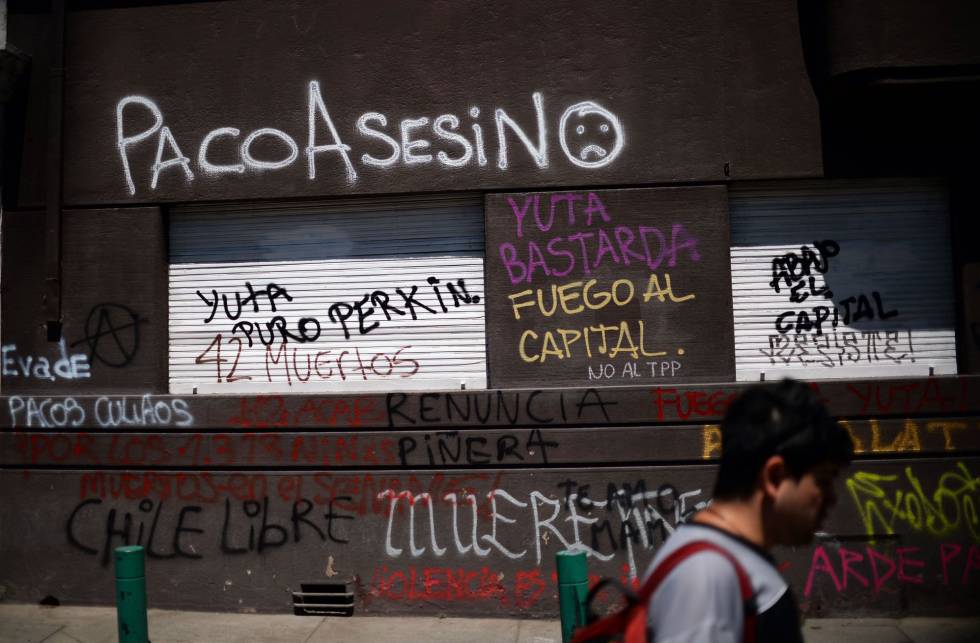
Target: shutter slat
pixel 894 240
pixel 324 256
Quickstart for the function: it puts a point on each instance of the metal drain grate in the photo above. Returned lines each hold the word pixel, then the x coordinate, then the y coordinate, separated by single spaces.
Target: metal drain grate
pixel 324 599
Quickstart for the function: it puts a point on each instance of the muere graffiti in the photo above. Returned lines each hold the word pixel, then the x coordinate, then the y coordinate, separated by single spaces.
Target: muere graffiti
pixel 630 519
pixel 589 135
pixel 893 502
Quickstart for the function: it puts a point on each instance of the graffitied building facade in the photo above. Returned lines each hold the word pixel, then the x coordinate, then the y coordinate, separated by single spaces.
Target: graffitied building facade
pixel 402 299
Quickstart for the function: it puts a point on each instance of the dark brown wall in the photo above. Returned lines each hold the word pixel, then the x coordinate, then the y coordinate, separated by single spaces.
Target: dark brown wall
pixel 694 91
pixel 240 500
pixel 890 39
pixel 114 298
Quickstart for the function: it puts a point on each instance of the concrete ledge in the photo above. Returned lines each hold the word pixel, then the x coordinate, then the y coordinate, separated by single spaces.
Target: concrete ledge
pixel 33 624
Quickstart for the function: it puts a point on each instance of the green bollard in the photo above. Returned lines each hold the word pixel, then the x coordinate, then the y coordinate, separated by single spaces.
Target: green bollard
pixel 573 587
pixel 131 594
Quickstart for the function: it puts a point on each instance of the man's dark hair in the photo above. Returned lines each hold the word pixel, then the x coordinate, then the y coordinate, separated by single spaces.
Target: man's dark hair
pixel 785 418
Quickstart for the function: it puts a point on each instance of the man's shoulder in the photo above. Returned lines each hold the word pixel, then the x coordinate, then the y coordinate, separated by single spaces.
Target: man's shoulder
pixel 767 583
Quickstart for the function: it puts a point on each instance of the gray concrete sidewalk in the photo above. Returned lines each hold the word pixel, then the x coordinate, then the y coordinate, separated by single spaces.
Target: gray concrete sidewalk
pixel 33 624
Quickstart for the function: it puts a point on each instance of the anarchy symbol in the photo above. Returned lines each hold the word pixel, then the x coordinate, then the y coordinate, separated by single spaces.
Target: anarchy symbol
pixel 108 325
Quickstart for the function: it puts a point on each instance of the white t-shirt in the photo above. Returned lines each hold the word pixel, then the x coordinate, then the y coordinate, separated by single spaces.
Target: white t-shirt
pixel 700 602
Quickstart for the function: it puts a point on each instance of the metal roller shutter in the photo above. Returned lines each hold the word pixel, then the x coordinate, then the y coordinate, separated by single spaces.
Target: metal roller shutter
pixel 878 254
pixel 340 267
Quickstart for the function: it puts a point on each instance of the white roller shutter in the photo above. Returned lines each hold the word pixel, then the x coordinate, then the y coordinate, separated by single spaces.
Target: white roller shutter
pixel 894 248
pixel 327 258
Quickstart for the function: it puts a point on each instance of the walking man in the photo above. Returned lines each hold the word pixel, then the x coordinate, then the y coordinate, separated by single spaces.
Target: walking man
pixel 781 452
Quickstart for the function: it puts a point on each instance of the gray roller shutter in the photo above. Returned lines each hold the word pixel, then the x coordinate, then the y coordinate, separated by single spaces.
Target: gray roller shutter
pixel 318 263
pixel 886 265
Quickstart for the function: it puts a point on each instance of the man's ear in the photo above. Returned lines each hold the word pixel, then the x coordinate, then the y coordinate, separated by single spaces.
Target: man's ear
pixel 773 473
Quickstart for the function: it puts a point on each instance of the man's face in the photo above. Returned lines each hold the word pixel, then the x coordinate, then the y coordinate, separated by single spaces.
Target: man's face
pixel 800 506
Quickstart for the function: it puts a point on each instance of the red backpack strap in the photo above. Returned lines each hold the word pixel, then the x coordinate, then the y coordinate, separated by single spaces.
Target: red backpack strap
pixel 685 551
pixel 619 623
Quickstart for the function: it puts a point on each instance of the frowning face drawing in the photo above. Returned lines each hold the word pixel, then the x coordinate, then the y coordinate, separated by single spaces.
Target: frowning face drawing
pixel 590 135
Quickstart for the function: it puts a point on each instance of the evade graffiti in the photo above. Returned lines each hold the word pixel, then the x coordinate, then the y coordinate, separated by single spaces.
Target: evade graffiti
pixel 66 367
pixel 903 502
pixel 589 135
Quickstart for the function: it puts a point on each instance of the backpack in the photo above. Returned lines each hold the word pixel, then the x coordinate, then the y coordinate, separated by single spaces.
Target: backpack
pixel 629 624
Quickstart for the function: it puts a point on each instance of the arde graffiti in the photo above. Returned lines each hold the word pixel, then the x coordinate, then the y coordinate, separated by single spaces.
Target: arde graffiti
pixel 112 334
pixel 178 530
pixel 104 412
pixel 589 135
pixel 631 518
pixel 837 348
pixel 796 274
pixel 65 367
pixel 868 569
pixel 403 302
pixel 887 503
